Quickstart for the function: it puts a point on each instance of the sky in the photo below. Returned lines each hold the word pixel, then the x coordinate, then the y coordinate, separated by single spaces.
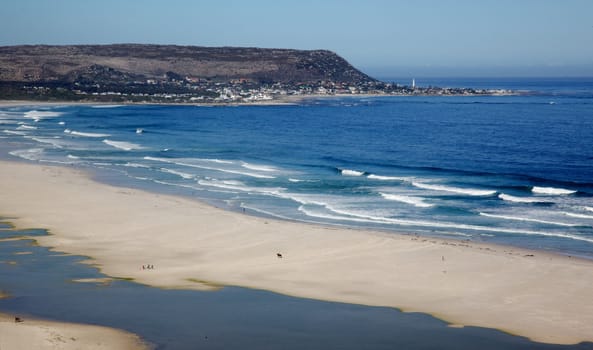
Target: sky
pixel 384 38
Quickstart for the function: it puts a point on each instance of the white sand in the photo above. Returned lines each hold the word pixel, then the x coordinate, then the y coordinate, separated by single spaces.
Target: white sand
pixel 36 334
pixel 544 297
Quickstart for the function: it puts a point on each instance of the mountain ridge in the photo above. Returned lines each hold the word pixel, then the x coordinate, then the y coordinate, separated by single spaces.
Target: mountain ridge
pixel 29 63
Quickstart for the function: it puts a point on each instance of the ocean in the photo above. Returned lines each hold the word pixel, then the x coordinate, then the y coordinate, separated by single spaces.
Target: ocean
pixel 514 170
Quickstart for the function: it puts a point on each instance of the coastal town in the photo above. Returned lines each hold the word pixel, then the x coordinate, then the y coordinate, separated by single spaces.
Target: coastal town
pixel 172 88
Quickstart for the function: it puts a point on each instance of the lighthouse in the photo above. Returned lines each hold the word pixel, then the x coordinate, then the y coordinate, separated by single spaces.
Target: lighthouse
pixel 413 83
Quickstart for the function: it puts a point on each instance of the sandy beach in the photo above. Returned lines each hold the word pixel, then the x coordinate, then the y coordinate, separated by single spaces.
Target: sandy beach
pixel 40 334
pixel 196 246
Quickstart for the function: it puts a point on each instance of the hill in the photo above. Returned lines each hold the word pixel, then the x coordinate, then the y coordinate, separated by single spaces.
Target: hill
pixel 135 61
pixel 131 73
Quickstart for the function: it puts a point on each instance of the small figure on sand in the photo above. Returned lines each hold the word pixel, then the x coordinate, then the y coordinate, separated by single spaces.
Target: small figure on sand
pixel 279 255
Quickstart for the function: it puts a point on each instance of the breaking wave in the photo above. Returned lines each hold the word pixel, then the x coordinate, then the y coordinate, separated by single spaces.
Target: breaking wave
pixel 258 167
pixel 12 132
pixel 85 134
pixel 26 127
pixel 508 197
pixel 516 218
pixel 415 201
pixel 240 186
pixel 369 218
pixel 178 173
pixel 28 154
pixel 54 141
pixel 386 178
pixel 38 115
pixel 459 190
pixel 551 190
pixel 123 145
pixel 192 164
pixel 348 172
pixel 579 216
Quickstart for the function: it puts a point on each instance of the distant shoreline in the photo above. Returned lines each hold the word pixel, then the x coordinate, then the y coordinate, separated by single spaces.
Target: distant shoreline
pixel 285 100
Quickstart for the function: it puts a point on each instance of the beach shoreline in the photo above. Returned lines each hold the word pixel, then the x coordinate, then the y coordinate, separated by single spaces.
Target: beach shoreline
pixel 32 333
pixel 191 245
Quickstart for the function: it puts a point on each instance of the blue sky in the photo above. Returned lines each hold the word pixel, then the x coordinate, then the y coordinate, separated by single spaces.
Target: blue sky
pixel 381 37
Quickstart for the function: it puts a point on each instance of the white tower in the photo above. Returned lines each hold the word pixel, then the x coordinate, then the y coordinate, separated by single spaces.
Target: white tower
pixel 413 83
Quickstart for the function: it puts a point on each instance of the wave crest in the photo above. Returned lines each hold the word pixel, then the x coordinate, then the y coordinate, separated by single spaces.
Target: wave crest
pixel 348 172
pixel 509 198
pixel 85 134
pixel 415 201
pixel 459 190
pixel 123 145
pixel 516 218
pixel 551 190
pixel 386 178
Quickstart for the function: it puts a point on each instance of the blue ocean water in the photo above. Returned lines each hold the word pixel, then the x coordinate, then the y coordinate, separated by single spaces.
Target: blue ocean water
pixel 515 170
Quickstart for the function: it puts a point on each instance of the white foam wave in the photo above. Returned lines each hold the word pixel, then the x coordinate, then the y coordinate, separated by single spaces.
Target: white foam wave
pixel 219 161
pixel 551 190
pixel 587 208
pixel 62 123
pixel 12 132
pixel 516 218
pixel 579 216
pixel 239 186
pixel 368 218
pixel 123 145
pixel 465 191
pixel 85 134
pixel 28 154
pixel 172 184
pixel 189 163
pixel 54 141
pixel 38 115
pixel 73 156
pixel 509 198
pixel 26 127
pixel 306 199
pixel 300 180
pixel 415 201
pixel 348 172
pixel 136 165
pixel 178 173
pixel 386 178
pixel 258 167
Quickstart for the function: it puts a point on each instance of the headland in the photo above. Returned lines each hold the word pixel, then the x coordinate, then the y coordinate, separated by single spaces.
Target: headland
pixel 135 73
